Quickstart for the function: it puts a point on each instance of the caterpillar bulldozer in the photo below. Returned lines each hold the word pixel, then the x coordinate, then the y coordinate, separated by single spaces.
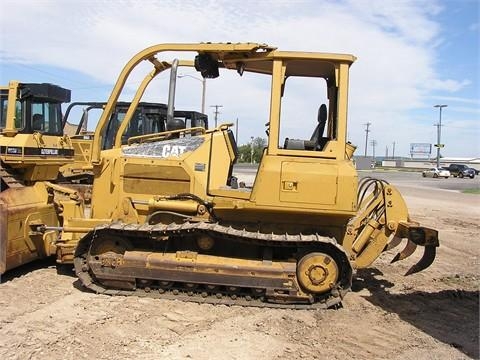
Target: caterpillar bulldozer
pixel 168 218
pixel 149 118
pixel 32 149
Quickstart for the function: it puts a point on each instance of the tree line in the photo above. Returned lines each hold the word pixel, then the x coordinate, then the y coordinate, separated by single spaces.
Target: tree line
pixel 245 153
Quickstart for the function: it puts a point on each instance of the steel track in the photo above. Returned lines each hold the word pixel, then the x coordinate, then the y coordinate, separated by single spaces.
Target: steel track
pixel 9 178
pixel 202 295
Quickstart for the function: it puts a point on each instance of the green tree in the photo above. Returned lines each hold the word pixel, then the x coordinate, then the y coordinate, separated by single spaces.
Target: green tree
pixel 245 151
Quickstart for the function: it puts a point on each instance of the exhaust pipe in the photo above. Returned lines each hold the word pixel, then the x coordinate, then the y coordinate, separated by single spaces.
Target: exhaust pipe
pixel 171 90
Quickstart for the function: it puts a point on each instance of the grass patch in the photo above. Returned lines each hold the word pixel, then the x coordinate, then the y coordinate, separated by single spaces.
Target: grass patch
pixel 471 191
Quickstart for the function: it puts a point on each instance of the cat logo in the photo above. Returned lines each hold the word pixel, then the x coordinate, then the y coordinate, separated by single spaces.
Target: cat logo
pixel 173 150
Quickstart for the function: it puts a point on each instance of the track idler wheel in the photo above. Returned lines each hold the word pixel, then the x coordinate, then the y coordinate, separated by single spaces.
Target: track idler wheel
pixel 110 245
pixel 317 273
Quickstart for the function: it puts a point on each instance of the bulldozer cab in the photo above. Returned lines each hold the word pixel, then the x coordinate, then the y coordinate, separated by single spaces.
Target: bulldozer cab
pixel 149 118
pixel 34 108
pixel 31 134
pixel 324 77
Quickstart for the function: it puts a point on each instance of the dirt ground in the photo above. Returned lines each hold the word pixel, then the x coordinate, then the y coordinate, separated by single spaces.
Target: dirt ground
pixel 431 315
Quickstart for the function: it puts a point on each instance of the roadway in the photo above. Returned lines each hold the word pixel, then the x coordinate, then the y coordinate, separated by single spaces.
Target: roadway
pixel 415 179
pixel 247 172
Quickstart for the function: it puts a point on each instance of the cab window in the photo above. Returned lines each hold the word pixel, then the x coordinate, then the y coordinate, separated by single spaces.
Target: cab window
pixel 112 128
pixel 18 114
pixel 304 120
pixel 46 118
pixel 3 113
pixel 19 118
pixel 156 123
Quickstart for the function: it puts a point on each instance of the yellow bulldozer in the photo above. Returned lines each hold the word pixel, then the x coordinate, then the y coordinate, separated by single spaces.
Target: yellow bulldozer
pixel 169 219
pixel 32 149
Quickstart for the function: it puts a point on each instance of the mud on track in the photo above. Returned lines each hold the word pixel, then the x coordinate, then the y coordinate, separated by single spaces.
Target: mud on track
pixel 432 315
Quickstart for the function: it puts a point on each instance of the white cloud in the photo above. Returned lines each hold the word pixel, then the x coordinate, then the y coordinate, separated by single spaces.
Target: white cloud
pixel 458 99
pixel 395 42
pixel 448 85
pixel 468 110
pixel 406 19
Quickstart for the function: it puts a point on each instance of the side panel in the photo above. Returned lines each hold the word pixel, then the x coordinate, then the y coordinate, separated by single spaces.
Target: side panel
pixel 141 171
pixel 301 183
pixel 155 179
pixel 319 185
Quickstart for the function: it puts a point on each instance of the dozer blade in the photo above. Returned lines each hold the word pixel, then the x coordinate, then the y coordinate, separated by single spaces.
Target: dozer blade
pixel 425 261
pixel 394 243
pixel 406 252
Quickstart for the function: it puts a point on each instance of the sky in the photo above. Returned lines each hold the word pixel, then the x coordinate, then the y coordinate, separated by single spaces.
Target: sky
pixel 411 55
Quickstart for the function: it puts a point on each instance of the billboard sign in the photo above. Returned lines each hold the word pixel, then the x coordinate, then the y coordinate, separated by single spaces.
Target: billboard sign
pixel 420 149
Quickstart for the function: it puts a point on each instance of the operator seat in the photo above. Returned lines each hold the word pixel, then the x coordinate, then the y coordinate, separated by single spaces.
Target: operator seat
pixel 317 141
pixel 317 136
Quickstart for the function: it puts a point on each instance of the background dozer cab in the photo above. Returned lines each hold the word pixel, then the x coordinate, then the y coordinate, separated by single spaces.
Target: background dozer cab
pixel 167 218
pixel 32 149
pixel 149 118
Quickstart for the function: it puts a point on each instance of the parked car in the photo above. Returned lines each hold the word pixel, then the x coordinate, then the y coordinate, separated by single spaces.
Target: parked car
pixel 436 172
pixel 461 170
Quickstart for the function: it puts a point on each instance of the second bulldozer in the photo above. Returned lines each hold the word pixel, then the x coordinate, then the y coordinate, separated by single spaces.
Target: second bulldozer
pixel 149 118
pixel 168 218
pixel 32 149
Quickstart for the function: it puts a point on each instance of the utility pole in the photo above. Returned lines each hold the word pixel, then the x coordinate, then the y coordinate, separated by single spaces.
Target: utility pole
pixel 216 112
pixel 373 143
pixel 439 133
pixel 366 136
pixel 386 151
pixel 393 153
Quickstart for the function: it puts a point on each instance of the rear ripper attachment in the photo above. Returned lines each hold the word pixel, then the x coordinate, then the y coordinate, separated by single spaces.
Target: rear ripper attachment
pixel 417 236
pixel 382 223
pixel 195 262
